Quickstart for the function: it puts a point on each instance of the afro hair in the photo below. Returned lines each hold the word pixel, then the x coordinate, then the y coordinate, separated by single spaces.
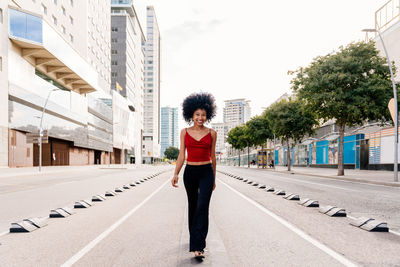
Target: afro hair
pixel 197 101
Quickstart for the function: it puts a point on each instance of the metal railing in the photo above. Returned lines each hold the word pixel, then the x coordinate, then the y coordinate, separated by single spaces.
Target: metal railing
pixel 387 15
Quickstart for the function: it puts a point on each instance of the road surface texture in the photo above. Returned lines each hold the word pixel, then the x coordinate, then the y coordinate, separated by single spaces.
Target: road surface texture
pixel 147 224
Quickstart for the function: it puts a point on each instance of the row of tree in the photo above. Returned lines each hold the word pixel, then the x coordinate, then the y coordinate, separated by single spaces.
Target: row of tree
pixel 351 86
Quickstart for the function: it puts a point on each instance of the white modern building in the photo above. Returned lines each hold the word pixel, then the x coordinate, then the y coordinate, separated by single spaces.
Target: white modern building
pixel 127 79
pixel 236 112
pixel 57 51
pixel 151 134
pixel 219 127
pixel 169 128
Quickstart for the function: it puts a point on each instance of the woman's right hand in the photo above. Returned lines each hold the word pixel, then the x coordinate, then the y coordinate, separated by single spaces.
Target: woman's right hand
pixel 174 181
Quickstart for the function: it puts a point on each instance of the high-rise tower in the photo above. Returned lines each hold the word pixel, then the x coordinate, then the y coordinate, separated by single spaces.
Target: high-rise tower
pixel 151 133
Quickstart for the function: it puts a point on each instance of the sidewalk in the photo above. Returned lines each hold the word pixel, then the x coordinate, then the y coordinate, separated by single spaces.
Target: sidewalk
pixel 371 177
pixel 11 172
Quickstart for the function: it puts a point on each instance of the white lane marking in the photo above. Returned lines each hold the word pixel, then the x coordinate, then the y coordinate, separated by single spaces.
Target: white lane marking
pixel 296 230
pixel 103 235
pixel 4 233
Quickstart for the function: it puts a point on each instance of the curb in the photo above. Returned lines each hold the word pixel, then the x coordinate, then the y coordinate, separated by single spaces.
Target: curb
pixel 391 184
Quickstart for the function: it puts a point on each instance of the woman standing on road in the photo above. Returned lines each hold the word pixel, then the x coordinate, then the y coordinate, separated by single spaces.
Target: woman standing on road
pixel 199 173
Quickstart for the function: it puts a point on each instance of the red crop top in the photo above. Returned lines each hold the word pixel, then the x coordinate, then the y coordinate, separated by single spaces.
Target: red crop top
pixel 198 150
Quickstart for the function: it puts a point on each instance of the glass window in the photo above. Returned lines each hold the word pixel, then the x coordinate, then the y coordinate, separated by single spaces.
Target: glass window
pixel 114 40
pixel 55 2
pixel 1 63
pixel 1 15
pixel 114 52
pixel 71 2
pixel 44 9
pixel 114 74
pixel 50 80
pixel 54 20
pixel 63 10
pixel 63 30
pixel 114 62
pixel 114 29
pixel 71 19
pixel 71 38
pixel 25 26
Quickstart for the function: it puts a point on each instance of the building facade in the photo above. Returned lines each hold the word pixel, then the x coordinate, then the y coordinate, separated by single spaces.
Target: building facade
pixel 219 127
pixel 127 79
pixel 61 50
pixel 236 112
pixel 169 128
pixel 151 134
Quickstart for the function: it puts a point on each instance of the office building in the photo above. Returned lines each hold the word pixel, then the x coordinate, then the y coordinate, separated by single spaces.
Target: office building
pixel 55 54
pixel 236 112
pixel 219 127
pixel 127 79
pixel 151 133
pixel 169 128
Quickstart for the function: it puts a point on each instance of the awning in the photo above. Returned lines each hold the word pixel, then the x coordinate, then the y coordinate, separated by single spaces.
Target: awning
pixel 332 137
pixel 48 64
pixel 307 142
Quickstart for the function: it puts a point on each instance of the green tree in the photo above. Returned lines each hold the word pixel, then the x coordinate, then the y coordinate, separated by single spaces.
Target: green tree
pixel 235 139
pixel 290 122
pixel 171 153
pixel 247 139
pixel 351 86
pixel 260 131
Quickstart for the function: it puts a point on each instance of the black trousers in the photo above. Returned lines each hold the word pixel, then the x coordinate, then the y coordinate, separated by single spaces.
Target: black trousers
pixel 199 182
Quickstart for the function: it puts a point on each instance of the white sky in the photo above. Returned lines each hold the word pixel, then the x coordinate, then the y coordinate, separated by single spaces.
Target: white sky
pixel 243 49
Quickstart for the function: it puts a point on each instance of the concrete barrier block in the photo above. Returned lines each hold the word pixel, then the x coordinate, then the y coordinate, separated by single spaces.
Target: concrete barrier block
pixel 60 213
pixel 279 192
pixel 110 194
pixel 98 198
pixel 22 227
pixel 294 197
pixel 38 222
pixel 82 204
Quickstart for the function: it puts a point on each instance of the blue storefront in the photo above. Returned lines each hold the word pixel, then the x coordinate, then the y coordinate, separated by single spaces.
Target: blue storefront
pixel 325 152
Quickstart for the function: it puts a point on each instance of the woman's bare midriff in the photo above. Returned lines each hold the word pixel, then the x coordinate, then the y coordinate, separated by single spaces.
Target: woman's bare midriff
pixel 198 162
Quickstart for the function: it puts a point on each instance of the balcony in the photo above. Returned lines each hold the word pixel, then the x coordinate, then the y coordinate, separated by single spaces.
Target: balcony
pixel 49 53
pixel 387 15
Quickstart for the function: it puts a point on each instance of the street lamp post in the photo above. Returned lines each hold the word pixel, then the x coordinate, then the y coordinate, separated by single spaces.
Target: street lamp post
pixel 41 129
pixel 396 127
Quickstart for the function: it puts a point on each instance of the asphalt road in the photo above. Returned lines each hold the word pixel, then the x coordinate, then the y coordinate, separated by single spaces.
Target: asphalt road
pixel 147 225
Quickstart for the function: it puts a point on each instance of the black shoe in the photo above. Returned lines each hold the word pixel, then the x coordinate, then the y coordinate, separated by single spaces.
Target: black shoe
pixel 199 256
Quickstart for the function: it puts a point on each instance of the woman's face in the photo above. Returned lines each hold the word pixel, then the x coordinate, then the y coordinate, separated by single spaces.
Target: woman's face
pixel 199 117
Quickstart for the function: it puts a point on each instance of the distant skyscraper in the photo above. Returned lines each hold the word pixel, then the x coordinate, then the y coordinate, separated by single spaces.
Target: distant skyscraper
pixel 151 133
pixel 169 128
pixel 236 112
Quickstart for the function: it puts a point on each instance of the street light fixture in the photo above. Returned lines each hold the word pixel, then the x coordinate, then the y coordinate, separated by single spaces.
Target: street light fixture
pixel 396 127
pixel 41 129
